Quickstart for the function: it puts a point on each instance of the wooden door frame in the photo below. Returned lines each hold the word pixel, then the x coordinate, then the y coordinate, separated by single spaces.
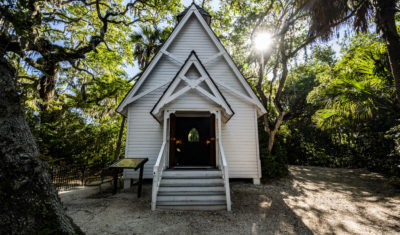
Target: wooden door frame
pixel 172 138
pixel 172 133
pixel 213 135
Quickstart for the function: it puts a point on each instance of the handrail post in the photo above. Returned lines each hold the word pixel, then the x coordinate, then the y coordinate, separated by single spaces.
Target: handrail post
pixel 224 165
pixel 160 163
pixel 166 114
pixel 165 128
pixel 219 125
pixel 154 191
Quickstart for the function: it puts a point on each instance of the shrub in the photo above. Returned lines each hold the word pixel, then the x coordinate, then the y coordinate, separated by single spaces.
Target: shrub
pixel 273 165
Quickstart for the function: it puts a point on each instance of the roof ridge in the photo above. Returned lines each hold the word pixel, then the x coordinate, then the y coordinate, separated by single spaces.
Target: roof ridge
pixel 200 9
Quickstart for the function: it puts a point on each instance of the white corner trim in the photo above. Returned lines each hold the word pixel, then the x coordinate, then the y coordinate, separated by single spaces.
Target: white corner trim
pixel 259 170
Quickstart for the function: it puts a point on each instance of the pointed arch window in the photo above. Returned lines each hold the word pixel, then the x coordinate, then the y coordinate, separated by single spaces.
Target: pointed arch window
pixel 193 135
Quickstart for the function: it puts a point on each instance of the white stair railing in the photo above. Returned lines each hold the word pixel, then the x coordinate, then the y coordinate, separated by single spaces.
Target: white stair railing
pixel 157 173
pixel 160 164
pixel 223 166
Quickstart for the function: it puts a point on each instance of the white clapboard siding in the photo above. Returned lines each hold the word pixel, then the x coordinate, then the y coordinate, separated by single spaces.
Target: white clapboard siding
pixel 239 140
pixel 191 100
pixel 164 71
pixel 193 37
pixel 192 73
pixel 239 134
pixel 220 71
pixel 144 133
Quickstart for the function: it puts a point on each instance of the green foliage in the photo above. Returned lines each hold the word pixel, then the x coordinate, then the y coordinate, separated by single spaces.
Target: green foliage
pixel 147 43
pixel 394 135
pixel 358 88
pixel 350 107
pixel 341 112
pixel 71 140
pixel 238 24
pixel 88 47
pixel 273 165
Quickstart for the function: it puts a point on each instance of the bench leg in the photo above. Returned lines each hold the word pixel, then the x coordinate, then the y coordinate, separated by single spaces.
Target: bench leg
pixel 115 180
pixel 139 193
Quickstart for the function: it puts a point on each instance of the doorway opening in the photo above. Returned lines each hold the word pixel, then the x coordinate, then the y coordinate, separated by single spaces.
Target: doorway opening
pixel 192 141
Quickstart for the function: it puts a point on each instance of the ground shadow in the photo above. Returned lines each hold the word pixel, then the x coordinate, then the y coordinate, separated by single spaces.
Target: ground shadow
pixel 353 200
pixel 310 200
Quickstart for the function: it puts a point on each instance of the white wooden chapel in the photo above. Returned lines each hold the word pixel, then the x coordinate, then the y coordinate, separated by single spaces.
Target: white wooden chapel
pixel 193 114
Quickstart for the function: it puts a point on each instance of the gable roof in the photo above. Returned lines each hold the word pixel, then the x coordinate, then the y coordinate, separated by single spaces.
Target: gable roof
pixel 201 10
pixel 172 92
pixel 193 10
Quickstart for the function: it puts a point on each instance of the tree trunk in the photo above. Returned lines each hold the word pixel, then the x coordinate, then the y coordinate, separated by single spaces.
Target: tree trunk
pixel 47 87
pixel 385 13
pixel 47 91
pixel 281 113
pixel 29 202
pixel 121 133
pixel 272 133
pixel 271 140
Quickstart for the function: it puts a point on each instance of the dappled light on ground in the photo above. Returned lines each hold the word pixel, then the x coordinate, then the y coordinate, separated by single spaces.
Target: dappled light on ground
pixel 311 200
pixel 342 200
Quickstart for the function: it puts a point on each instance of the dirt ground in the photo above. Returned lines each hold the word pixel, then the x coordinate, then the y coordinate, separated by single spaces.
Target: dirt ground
pixel 312 200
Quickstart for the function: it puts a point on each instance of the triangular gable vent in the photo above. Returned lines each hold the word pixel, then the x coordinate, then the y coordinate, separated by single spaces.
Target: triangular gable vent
pixel 203 84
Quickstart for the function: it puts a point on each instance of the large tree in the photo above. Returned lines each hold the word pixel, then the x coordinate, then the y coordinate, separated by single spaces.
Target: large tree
pixel 267 70
pixel 47 37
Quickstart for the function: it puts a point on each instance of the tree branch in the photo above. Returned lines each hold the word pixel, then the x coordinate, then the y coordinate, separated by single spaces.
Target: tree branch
pixel 282 80
pixel 261 18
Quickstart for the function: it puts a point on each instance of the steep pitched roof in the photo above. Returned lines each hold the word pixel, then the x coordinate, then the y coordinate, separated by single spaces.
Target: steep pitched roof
pixel 193 10
pixel 200 9
pixel 172 92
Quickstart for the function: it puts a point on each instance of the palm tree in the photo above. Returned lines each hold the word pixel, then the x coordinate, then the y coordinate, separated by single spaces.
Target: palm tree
pixel 148 41
pixel 328 14
pixel 357 89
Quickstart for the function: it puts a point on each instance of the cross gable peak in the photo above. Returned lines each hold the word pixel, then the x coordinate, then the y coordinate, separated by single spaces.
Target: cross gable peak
pixel 202 84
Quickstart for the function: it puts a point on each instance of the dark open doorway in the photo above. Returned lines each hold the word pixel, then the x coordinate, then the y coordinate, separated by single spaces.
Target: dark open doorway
pixel 192 141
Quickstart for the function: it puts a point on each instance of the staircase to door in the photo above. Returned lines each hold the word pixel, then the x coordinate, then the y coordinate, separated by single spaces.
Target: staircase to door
pixel 206 189
pixel 201 189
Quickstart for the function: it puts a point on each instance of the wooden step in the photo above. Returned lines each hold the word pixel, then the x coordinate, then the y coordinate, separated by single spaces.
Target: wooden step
pixel 192 189
pixel 191 174
pixel 192 208
pixel 190 193
pixel 191 182
pixel 190 198
pixel 191 203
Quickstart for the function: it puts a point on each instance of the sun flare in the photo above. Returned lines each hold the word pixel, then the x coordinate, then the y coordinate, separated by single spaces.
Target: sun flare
pixel 263 41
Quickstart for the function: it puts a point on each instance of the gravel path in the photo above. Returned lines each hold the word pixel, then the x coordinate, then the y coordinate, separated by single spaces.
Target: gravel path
pixel 311 200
